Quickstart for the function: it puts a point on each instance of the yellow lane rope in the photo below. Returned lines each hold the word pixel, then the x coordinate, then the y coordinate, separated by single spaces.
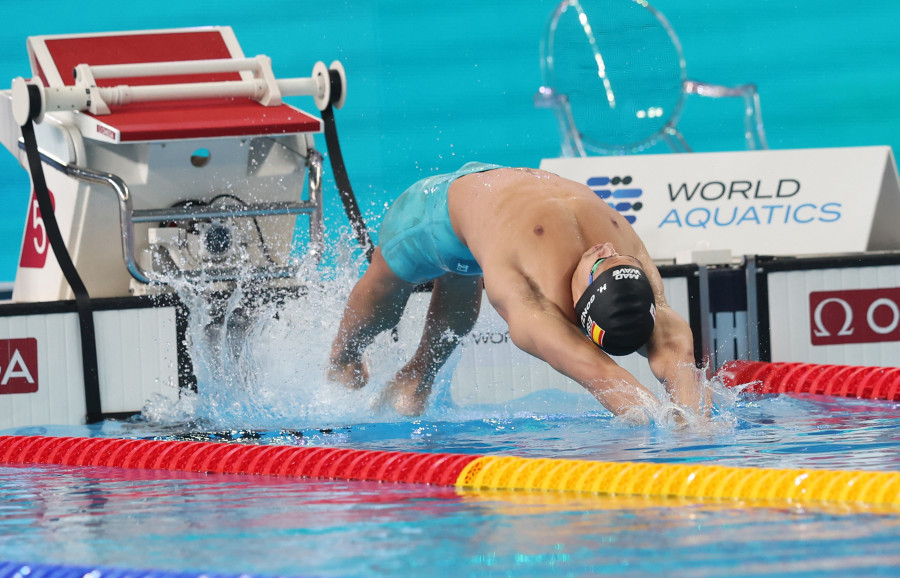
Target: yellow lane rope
pixel 680 480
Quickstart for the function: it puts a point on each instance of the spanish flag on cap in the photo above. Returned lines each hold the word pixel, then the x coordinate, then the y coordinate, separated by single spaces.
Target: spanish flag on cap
pixel 597 334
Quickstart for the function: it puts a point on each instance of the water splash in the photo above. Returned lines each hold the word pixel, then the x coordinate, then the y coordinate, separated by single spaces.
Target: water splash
pixel 261 362
pixel 662 413
pixel 260 357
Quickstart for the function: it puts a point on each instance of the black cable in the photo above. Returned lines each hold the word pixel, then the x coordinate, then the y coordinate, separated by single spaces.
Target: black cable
pixel 341 178
pixel 82 298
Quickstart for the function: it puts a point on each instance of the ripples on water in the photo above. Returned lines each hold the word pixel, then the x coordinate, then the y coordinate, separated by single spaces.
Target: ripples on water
pixel 271 526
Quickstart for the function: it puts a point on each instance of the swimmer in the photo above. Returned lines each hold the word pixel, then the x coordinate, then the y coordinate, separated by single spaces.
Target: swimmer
pixel 566 271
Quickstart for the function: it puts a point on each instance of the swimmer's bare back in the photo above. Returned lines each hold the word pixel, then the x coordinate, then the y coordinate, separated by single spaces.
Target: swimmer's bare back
pixel 536 224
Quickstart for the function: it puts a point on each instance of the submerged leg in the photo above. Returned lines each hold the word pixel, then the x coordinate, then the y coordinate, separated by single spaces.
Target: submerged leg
pixel 375 305
pixel 455 302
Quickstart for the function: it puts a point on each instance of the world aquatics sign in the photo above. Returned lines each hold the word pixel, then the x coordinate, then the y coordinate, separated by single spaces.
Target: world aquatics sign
pixel 744 203
pixel 789 202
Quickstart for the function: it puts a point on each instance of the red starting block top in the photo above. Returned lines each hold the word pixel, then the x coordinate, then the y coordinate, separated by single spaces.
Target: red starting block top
pixel 53 59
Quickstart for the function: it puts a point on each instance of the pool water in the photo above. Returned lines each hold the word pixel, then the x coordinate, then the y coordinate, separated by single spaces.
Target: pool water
pixel 265 385
pixel 259 525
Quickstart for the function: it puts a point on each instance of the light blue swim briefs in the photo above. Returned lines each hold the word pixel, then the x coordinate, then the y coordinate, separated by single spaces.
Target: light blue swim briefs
pixel 416 237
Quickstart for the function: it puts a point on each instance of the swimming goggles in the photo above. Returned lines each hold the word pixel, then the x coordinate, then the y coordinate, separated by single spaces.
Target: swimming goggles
pixel 594 269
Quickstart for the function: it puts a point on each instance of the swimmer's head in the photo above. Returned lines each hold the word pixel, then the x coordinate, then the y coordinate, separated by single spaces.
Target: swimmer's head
pixel 614 302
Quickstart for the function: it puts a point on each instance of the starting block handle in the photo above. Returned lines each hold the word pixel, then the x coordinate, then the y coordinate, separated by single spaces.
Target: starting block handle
pixel 265 88
pixel 144 69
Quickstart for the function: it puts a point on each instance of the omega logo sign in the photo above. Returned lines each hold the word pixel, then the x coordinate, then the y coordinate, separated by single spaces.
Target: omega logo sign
pixel 854 316
pixel 18 365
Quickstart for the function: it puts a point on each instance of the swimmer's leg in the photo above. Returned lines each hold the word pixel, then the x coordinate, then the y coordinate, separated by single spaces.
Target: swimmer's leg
pixel 454 307
pixel 375 305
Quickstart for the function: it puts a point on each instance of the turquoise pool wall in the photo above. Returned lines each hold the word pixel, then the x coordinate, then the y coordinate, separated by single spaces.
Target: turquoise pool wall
pixel 434 85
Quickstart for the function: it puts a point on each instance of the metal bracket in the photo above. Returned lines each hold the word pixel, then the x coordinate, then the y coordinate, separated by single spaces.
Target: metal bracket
pixel 128 217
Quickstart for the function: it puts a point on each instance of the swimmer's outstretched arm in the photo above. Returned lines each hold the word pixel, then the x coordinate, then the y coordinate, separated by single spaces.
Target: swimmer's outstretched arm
pixel 670 353
pixel 538 326
pixel 670 350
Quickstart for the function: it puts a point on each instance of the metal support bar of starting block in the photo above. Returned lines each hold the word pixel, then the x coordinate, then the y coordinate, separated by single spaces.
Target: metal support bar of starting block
pixel 128 217
pixel 207 212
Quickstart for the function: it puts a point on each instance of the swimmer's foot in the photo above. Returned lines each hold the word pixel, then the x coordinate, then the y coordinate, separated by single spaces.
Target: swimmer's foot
pixel 408 405
pixel 408 392
pixel 353 375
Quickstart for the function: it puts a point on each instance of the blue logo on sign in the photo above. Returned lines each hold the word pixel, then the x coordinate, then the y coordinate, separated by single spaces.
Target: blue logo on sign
pixel 616 192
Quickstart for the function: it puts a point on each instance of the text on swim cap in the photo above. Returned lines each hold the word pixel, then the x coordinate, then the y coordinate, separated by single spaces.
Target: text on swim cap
pixel 590 302
pixel 626 273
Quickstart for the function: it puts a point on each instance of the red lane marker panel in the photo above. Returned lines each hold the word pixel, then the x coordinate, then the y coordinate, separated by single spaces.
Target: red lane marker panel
pixel 301 462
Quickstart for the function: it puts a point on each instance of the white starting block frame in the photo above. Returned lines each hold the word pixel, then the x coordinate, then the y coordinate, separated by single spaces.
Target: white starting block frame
pixel 86 96
pixel 166 128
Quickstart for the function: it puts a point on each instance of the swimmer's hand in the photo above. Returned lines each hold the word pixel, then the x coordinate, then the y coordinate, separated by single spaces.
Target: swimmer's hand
pixel 669 416
pixel 676 417
pixel 681 417
pixel 353 375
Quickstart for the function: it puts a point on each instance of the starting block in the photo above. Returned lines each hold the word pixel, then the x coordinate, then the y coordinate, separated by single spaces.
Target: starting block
pixel 169 156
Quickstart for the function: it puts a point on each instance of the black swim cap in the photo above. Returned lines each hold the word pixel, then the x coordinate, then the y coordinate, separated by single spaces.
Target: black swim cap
pixel 617 311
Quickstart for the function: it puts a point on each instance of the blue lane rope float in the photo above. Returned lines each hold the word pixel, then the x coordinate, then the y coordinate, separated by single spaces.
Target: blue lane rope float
pixel 28 570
